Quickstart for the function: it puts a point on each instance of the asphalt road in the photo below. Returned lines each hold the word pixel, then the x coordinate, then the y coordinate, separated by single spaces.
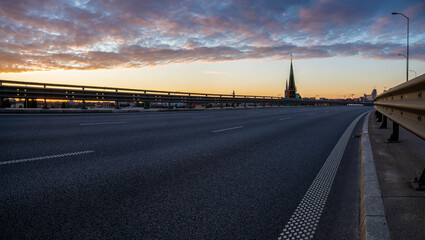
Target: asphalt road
pixel 230 174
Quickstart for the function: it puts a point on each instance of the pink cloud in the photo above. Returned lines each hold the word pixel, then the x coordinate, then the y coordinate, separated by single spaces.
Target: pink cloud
pixel 44 35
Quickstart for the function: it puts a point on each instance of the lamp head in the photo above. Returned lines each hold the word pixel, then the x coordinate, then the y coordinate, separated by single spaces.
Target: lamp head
pixel 394 13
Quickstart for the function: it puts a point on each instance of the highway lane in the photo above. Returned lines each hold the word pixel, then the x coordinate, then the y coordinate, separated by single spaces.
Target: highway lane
pixel 189 175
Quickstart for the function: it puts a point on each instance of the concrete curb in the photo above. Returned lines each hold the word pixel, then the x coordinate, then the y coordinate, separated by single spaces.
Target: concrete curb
pixel 373 222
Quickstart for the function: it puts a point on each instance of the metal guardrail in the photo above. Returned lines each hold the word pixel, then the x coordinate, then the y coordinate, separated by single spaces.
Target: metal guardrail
pixel 34 90
pixel 405 105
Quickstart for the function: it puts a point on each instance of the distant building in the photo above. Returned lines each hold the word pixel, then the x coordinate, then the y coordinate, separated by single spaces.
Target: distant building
pixel 371 97
pixel 374 94
pixel 291 90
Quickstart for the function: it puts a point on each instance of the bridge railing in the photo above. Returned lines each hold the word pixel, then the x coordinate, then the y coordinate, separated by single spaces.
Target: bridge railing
pixel 404 105
pixel 31 90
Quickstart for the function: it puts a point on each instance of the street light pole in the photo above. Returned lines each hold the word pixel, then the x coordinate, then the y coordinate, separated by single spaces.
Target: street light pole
pixel 407 55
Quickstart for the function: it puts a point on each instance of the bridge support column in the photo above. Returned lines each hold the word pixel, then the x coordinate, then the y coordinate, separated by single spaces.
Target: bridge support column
pixel 394 136
pixel 384 122
pixel 84 104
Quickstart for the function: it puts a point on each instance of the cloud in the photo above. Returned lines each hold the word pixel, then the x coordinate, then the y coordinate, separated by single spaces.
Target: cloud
pixel 38 35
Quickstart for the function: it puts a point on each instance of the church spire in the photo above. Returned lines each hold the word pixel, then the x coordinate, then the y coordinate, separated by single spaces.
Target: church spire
pixel 292 89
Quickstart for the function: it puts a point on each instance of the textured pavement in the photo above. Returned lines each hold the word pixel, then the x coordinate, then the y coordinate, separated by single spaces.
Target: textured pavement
pixel 231 174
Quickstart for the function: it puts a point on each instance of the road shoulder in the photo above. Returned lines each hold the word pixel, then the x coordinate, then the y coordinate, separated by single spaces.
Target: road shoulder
pixel 396 165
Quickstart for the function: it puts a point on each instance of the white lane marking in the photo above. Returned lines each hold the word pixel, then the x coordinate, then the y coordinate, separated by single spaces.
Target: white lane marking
pixel 45 157
pixel 282 119
pixel 101 123
pixel 310 114
pixel 303 222
pixel 226 129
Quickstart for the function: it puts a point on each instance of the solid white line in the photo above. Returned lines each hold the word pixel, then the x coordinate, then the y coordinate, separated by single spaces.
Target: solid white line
pixel 310 114
pixel 282 119
pixel 226 129
pixel 101 123
pixel 45 157
pixel 303 222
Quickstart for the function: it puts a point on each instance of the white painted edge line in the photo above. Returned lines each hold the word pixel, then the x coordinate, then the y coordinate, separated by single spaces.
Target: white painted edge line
pixel 226 129
pixel 282 119
pixel 304 221
pixel 101 123
pixel 46 157
pixel 373 221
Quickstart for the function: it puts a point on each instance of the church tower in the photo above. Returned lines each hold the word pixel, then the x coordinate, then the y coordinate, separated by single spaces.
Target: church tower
pixel 286 89
pixel 291 90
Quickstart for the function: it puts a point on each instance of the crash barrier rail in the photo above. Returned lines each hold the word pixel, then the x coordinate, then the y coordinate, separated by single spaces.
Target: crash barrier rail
pixel 34 90
pixel 404 104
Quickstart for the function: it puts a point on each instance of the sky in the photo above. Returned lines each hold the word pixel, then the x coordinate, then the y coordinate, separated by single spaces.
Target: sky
pixel 339 48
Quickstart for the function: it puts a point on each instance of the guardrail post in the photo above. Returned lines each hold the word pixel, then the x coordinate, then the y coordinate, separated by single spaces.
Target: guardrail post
pixel 394 136
pixel 384 122
pixel 45 102
pixel 146 105
pixel 2 105
pixel 419 184
pixel 221 102
pixel 117 106
pixel 379 117
pixel 84 101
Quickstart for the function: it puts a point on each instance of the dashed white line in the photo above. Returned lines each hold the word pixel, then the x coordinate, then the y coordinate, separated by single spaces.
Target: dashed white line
pixel 283 119
pixel 101 123
pixel 226 129
pixel 304 221
pixel 45 157
pixel 310 114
